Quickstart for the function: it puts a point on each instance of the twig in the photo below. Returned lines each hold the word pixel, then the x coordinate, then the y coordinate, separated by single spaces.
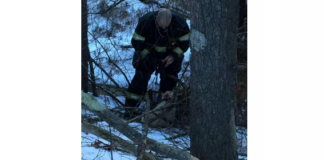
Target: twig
pixel 102 69
pixel 119 142
pixel 177 136
pixel 110 58
pixel 185 70
pixel 178 80
pixel 143 144
pixel 90 103
pixel 181 12
pixel 109 8
pixel 110 94
pixel 153 110
pixel 126 46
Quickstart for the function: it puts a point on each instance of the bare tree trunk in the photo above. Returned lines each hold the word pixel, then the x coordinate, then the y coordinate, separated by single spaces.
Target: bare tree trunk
pixel 213 79
pixel 84 42
pixel 85 52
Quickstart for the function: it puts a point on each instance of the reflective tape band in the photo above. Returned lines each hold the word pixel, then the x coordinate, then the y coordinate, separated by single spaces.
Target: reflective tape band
pixel 144 53
pixel 179 51
pixel 184 37
pixel 160 49
pixel 133 96
pixel 138 37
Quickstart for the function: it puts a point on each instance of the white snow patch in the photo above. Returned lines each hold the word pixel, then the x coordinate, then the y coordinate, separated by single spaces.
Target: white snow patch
pixel 198 40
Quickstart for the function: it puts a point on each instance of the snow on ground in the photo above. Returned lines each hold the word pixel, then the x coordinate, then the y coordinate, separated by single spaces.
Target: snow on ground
pixel 160 135
pixel 90 153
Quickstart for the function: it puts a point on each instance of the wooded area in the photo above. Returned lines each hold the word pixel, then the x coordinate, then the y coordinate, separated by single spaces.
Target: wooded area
pixel 209 103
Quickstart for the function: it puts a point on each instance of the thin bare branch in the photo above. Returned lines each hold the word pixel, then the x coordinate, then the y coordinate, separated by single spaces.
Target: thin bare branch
pixel 177 136
pixel 119 142
pixel 109 8
pixel 126 46
pixel 103 70
pixel 110 94
pixel 143 144
pixel 110 60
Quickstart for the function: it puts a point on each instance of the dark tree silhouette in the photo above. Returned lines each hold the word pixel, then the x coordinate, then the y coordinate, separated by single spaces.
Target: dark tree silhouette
pixel 85 52
pixel 213 80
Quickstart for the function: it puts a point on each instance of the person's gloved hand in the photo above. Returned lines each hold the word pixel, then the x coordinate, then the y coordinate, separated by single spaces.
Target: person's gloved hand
pixel 169 59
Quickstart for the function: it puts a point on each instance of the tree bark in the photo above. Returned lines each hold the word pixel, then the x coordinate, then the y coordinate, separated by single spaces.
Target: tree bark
pixel 213 79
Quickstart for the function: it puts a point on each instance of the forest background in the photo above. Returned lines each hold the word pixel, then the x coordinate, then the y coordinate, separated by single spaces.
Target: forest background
pixel 41 79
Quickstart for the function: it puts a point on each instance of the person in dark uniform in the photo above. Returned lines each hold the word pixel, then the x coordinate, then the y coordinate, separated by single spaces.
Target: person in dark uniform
pixel 160 40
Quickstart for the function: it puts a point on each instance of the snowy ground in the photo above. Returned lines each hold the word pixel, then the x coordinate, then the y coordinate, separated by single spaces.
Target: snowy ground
pixel 91 153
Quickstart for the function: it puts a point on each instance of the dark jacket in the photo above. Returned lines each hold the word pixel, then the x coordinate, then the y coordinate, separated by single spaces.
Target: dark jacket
pixel 148 39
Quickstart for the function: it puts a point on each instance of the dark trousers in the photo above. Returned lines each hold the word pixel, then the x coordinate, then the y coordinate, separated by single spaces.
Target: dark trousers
pixel 144 69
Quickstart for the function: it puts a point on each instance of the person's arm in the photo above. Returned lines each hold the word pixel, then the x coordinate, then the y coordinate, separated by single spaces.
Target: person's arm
pixel 140 38
pixel 182 43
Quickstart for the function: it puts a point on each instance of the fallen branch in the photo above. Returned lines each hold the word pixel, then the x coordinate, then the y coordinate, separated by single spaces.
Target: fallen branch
pixel 91 104
pixel 177 136
pixel 110 94
pixel 160 107
pixel 118 142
